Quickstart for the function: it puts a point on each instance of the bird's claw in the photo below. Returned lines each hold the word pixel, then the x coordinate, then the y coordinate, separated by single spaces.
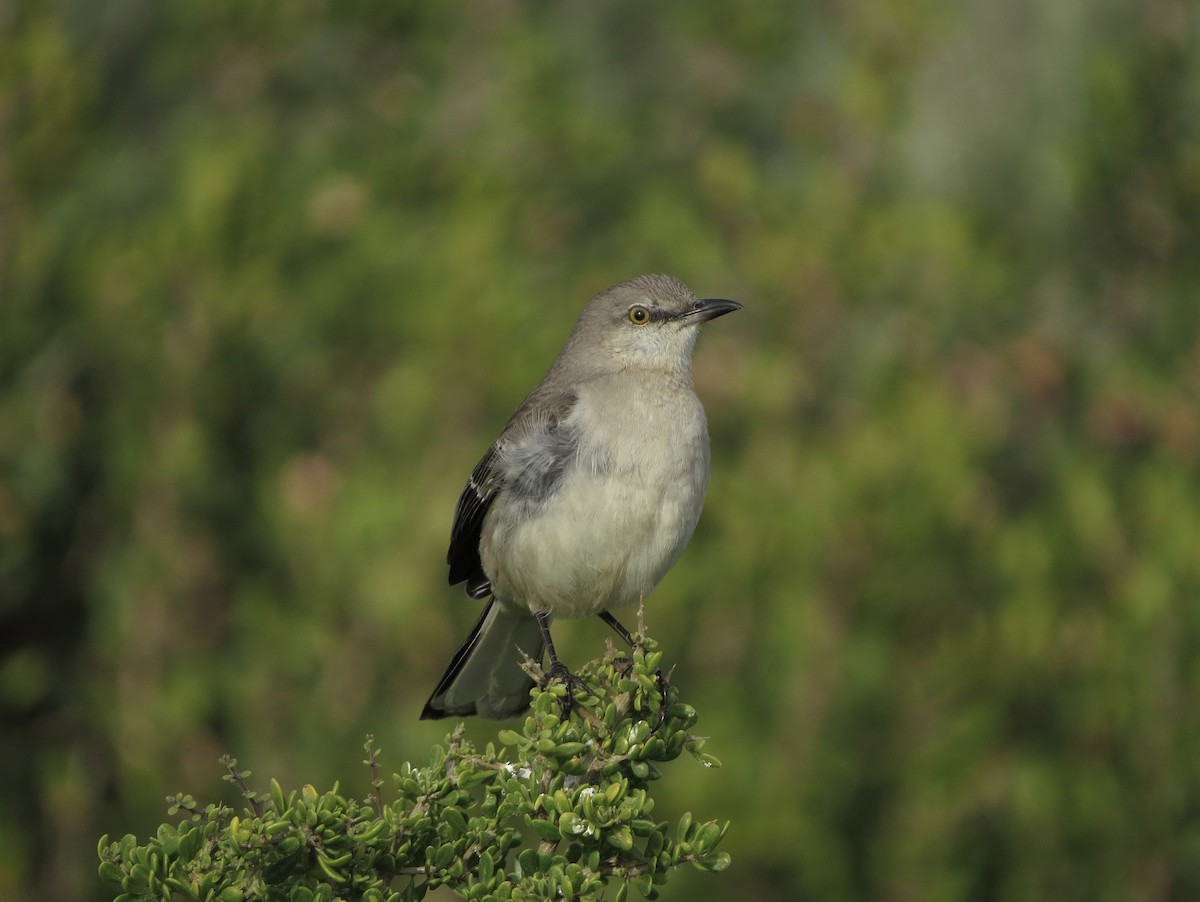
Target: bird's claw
pixel 624 667
pixel 664 686
pixel 558 671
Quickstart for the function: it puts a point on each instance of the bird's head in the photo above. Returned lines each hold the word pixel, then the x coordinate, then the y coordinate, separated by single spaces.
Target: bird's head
pixel 651 322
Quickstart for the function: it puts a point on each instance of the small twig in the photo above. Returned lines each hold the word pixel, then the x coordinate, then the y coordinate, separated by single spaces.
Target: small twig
pixel 181 803
pixel 236 778
pixel 312 839
pixel 614 867
pixel 531 666
pixel 376 780
pixel 484 764
pixel 593 721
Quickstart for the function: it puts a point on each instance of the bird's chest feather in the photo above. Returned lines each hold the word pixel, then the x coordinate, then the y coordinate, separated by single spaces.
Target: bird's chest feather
pixel 622 512
pixel 647 436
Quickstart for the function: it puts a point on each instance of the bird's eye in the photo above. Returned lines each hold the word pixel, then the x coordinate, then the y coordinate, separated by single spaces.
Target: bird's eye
pixel 639 315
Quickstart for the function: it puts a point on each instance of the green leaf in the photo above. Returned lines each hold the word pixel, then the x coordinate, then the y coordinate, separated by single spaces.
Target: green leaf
pixel 543 828
pixel 181 888
pixel 684 826
pixel 683 712
pixel 189 844
pixel 654 844
pixel 621 838
pixel 527 861
pixel 454 818
pixel 706 836
pixel 572 826
pixel 468 777
pixel 718 861
pixel 510 737
pixel 110 872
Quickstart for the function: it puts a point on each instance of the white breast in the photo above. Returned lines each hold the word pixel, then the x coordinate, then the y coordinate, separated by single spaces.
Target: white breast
pixel 624 511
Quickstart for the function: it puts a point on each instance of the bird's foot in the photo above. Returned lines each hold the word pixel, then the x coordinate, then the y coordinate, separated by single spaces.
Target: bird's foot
pixel 664 685
pixel 558 671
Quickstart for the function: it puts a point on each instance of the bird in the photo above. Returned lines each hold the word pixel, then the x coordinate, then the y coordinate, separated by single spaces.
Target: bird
pixel 589 495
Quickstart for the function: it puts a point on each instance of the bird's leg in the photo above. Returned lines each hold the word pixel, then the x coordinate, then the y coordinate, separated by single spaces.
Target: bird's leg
pixel 558 670
pixel 659 677
pixel 618 628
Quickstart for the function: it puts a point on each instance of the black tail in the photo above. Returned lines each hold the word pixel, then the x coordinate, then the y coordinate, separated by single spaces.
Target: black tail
pixel 484 677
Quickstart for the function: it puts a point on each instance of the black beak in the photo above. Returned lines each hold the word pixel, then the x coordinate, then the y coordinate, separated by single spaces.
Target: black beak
pixel 710 308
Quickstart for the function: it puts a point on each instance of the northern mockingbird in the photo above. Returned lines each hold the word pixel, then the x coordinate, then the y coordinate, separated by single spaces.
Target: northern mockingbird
pixel 589 495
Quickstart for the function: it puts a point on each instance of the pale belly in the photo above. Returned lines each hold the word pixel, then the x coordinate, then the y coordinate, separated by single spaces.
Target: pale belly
pixel 596 547
pixel 608 536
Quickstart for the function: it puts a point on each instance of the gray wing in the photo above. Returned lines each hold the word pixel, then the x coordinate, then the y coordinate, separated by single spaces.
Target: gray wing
pixel 524 467
pixel 463 554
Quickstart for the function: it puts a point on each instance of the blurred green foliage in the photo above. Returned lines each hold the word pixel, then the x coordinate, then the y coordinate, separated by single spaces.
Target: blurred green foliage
pixel 273 275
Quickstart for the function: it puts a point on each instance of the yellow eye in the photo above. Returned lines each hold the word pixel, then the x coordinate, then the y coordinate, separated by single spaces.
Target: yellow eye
pixel 639 315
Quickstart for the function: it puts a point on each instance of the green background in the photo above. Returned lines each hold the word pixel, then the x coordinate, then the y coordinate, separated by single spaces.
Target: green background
pixel 272 276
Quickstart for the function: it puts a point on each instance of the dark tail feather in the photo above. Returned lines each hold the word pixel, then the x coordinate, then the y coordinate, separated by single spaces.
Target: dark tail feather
pixel 485 676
